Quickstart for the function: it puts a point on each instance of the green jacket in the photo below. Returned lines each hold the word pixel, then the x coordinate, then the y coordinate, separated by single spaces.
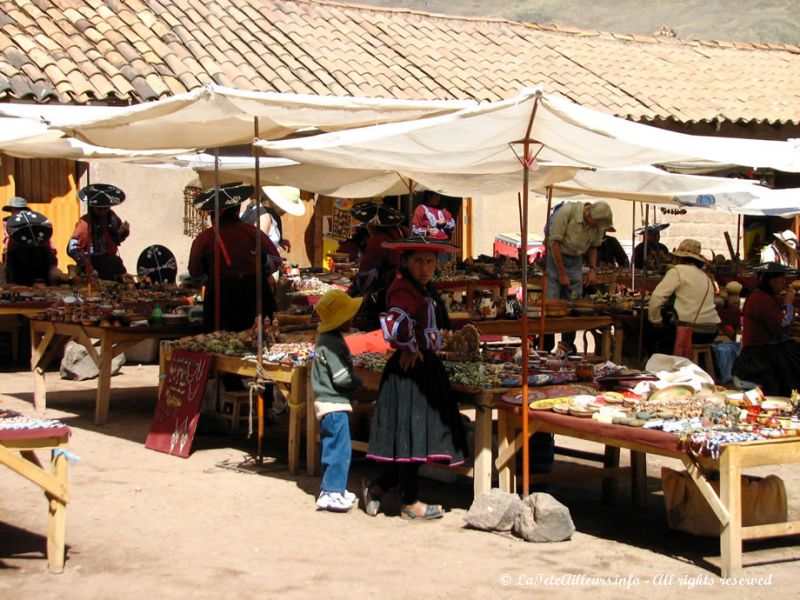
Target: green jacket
pixel 332 377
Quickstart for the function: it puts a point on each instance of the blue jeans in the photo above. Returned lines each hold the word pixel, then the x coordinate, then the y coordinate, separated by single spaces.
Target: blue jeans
pixel 573 265
pixel 334 433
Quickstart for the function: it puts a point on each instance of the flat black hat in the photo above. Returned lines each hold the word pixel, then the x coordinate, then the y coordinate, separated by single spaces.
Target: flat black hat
pixel 230 194
pixel 373 213
pixel 652 228
pixel 101 194
pixel 29 227
pixel 158 264
pixel 772 267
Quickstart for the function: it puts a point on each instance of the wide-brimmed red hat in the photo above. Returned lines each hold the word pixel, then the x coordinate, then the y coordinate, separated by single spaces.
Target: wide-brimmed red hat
pixel 417 243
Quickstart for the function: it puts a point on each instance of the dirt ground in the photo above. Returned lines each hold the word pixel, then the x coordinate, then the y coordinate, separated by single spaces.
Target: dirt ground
pixel 144 524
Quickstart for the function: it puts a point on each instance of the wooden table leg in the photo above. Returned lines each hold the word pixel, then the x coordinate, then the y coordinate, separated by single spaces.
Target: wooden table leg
pixel 606 353
pixel 730 492
pixel 619 338
pixel 39 342
pixel 104 379
pixel 638 478
pixel 483 450
pixel 609 485
pixel 297 405
pixel 505 437
pixel 57 521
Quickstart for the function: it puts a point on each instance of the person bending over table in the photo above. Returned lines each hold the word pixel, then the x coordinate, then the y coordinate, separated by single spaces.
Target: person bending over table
pixel 769 357
pixel 416 419
pixel 577 229
pixel 692 294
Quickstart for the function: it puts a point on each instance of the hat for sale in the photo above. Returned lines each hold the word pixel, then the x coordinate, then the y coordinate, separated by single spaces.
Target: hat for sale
pixel 16 202
pixel 336 308
pixel 101 195
pixel 601 213
pixel 653 228
pixel 788 237
pixel 230 194
pixel 689 248
pixel 286 198
pixel 417 243
pixel 29 227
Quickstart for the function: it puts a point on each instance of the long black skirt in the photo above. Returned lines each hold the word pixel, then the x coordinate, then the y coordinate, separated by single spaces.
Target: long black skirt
pixel 417 418
pixel 774 367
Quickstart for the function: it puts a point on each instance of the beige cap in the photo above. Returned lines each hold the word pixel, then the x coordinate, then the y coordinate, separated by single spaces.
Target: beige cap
pixel 601 212
pixel 689 248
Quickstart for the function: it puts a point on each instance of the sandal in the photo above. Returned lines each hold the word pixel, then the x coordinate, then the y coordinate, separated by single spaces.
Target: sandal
pixel 372 501
pixel 432 511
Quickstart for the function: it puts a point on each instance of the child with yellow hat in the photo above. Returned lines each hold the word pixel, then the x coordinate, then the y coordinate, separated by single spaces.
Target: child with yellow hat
pixel 333 382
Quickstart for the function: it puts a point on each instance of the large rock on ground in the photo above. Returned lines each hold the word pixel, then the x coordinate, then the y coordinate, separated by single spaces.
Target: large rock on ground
pixel 543 519
pixel 78 365
pixel 494 510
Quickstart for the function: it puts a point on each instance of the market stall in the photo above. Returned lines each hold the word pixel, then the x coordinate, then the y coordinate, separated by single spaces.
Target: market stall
pixel 20 437
pixel 727 458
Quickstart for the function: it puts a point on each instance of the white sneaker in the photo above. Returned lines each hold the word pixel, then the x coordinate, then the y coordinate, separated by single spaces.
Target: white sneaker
pixel 334 501
pixel 350 496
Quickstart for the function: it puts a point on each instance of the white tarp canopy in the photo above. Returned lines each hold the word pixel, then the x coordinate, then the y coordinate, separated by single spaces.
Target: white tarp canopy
pixel 31 138
pixel 214 116
pixel 486 139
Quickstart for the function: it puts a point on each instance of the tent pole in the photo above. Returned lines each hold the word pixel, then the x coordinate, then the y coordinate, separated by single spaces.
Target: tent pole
pixel 259 300
pixel 738 234
pixel 218 239
pixel 543 297
pixel 644 286
pixel 633 245
pixel 526 161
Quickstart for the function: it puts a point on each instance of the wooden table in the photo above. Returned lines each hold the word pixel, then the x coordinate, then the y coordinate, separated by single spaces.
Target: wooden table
pixel 734 457
pixel 291 380
pixel 603 323
pixel 17 452
pixel 49 337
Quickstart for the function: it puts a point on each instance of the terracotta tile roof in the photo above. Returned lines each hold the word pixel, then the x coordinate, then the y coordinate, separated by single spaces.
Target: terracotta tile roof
pixel 114 51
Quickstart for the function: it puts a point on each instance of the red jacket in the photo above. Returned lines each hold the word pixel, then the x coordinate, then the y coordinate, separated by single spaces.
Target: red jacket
pixel 410 322
pixel 762 320
pixel 239 257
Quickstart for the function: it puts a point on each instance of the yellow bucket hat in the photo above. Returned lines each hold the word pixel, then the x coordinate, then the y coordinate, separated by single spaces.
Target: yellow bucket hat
pixel 336 308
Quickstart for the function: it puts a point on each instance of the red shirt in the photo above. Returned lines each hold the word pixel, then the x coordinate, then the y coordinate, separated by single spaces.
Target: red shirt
pixel 761 323
pixel 239 241
pixel 410 322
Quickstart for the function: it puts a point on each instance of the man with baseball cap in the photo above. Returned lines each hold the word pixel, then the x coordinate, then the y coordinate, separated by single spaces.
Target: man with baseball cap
pixel 577 230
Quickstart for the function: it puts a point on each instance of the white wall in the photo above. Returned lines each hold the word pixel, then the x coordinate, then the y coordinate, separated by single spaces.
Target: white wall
pixel 153 206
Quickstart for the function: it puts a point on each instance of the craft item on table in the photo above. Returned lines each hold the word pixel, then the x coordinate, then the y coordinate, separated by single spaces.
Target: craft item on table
pixel 371 361
pixel 464 344
pixel 710 442
pixel 292 354
pixel 10 419
pixel 474 374
pixel 551 391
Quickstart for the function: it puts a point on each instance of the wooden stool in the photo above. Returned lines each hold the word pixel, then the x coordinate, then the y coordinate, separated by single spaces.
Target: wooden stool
pixel 233 402
pixel 706 352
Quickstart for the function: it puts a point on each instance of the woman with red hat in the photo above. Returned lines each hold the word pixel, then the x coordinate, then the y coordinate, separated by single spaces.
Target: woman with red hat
pixel 416 419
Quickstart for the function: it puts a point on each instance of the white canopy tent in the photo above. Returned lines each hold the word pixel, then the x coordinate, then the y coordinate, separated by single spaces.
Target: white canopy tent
pixel 31 138
pixel 478 140
pixel 215 116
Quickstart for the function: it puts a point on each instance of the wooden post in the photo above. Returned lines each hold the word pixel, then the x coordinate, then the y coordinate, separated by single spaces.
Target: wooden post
pixel 57 521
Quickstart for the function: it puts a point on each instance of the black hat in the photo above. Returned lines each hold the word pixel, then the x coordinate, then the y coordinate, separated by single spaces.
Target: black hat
pixel 772 268
pixel 101 195
pixel 29 228
pixel 656 228
pixel 230 194
pixel 372 213
pixel 158 264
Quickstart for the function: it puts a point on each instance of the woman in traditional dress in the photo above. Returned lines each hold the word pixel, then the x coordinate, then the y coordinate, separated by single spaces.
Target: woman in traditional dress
pixel 416 419
pixel 769 357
